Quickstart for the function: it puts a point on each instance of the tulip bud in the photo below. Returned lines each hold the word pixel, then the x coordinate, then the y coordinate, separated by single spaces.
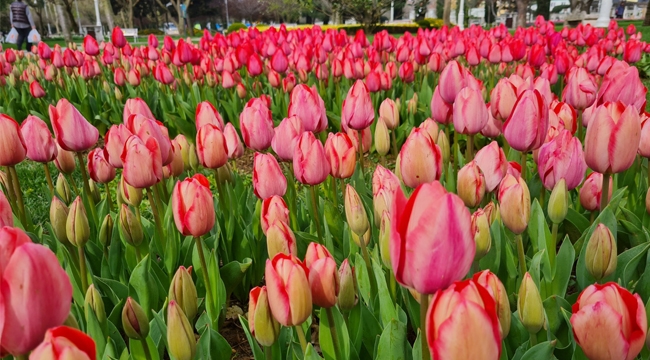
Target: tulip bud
pixel 76 226
pixel 515 203
pixel 183 291
pixel 600 256
pixel 357 239
pixel 558 203
pixel 481 231
pixel 529 305
pixel 495 287
pixel 94 191
pixel 347 289
pixel 260 320
pixel 63 189
pixel 130 227
pixel 384 239
pixel 471 184
pixel 280 239
pixel 193 158
pixel 180 336
pixel 135 322
pixel 224 174
pixel 382 138
pixel 58 218
pixel 118 94
pixel 71 322
pixel 443 144
pixel 93 302
pixel 106 231
pixel 131 195
pixel 412 104
pixel 355 212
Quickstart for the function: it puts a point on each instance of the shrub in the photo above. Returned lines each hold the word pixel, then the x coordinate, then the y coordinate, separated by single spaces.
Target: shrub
pixel 235 27
pixel 151 31
pixel 429 23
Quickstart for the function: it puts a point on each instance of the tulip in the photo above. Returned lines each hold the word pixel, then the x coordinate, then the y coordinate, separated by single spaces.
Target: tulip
pixel 452 80
pixel 441 111
pixel 130 227
pixel 432 129
pixel 601 253
pixel 98 167
pixel 591 191
pixel 12 145
pixel 262 325
pixel 446 232
pixel 384 186
pixel 233 143
pixel 211 147
pixel 324 282
pixel 142 162
pixel 366 139
pixel 309 107
pixel 612 138
pixel 470 113
pixel 355 212
pixel 256 125
pixel 93 303
pixel 130 194
pixel 481 231
pixel 183 291
pixel 280 239
pixel 136 106
pixel 357 112
pixel 471 184
pixel 580 90
pixel 462 323
pixel 180 336
pixel 176 167
pixel 114 141
pixel 134 320
pixel 147 129
pixel 117 38
pixel 529 305
pixel 36 292
pixel 76 227
pixel 6 216
pixel 72 131
pixel 406 72
pixel 288 289
pixel 268 179
pixel 90 46
pixel 527 125
pixel 62 189
pixel 36 90
pixel 502 99
pixel 561 158
pixel 493 164
pixel 495 287
pixel 558 202
pixel 514 198
pixel 420 159
pixel 622 83
pixel 341 155
pixel 133 77
pixel 274 209
pixel 206 113
pixel 310 162
pixel 106 231
pixel 64 342
pixel 40 145
pixel 389 111
pixel 286 136
pixel 382 138
pixel 192 206
pixel 609 322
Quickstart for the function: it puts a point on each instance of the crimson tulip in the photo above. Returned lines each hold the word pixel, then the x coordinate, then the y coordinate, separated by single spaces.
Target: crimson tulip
pixel 193 207
pixel 36 90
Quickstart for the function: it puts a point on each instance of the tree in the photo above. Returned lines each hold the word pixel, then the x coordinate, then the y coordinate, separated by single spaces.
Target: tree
pixel 646 20
pixel 490 11
pixel 420 8
pixel 522 10
pixel 176 5
pixel 446 13
pixel 366 12
pixel 544 8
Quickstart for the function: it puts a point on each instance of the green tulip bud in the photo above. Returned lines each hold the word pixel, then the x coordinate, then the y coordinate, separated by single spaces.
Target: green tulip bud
pixel 106 231
pixel 58 218
pixel 183 291
pixel 93 302
pixel 193 158
pixel 601 253
pixel 63 189
pixel 443 144
pixel 118 93
pixel 355 212
pixel 180 337
pixel 558 203
pixel 382 137
pixel 357 239
pixel 529 305
pixel 260 320
pixel 94 191
pixel 480 227
pixel 134 320
pixel 347 290
pixel 130 227
pixel 224 174
pixel 130 195
pixel 106 86
pixel 76 226
pixel 70 321
pixel 384 239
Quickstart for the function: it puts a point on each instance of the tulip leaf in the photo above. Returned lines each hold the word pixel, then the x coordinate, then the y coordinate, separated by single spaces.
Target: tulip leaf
pixel 137 349
pixel 325 335
pixel 492 260
pixel 538 231
pixel 628 261
pixel 362 278
pixel 173 245
pixel 540 351
pixel 158 325
pixel 94 329
pixel 142 286
pixel 578 220
pixel 564 266
pixel 392 343
pixel 233 273
pixel 257 352
pixel 212 345
pixel 310 353
pixel 387 310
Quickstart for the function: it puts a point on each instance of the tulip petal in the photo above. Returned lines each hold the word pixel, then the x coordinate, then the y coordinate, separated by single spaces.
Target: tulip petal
pixel 597 328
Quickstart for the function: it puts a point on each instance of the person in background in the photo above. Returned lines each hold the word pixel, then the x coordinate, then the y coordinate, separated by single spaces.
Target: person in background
pixel 620 10
pixel 21 20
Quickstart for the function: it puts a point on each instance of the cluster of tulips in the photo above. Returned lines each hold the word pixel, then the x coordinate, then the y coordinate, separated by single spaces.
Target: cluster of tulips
pixel 517 183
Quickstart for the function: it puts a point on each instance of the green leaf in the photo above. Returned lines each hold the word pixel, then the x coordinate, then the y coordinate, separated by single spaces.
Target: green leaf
pixel 233 273
pixel 540 351
pixel 310 353
pixel 137 349
pixel 325 334
pixel 563 267
pixel 362 278
pixel 142 286
pixel 387 310
pixel 212 345
pixel 95 330
pixel 257 352
pixel 392 343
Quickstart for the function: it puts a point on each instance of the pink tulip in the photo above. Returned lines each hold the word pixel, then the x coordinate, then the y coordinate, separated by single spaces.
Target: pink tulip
pixel 41 147
pixel 233 143
pixel 193 207
pixel 136 106
pixel 90 46
pixel 436 220
pixel 514 198
pixel 117 38
pixel 591 191
pixel 612 138
pixel 309 107
pixel 6 216
pixel 114 141
pixel 366 139
pixel 357 112
pixel 384 186
pixel 62 343
pixel 406 72
pixel 36 292
pixel 72 131
pixel 323 276
pixel 462 323
pixel 36 90
pixel 580 90
pixel 527 125
pixel 286 136
pixel 256 124
pixel 470 113
pixel 471 184
pixel 452 80
pixel 12 143
pixel 420 159
pixel 502 99
pixel 561 158
pixel 142 162
pixel 341 154
pixel 441 111
pixel 310 164
pixel 389 111
pixel 288 289
pixel 268 179
pixel 64 160
pixel 146 128
pixel 644 143
pixel 211 147
pixel 274 209
pixel 176 167
pixel 206 113
pixel 566 115
pixel 279 62
pixel 99 169
pixel 622 83
pixel 609 322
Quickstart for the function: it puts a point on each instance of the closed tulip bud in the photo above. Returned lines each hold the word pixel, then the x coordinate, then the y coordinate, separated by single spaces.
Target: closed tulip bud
pixel 93 302
pixel 470 113
pixel 443 143
pixel 262 325
pixel 389 111
pixel 183 291
pixel 131 195
pixel 515 203
pixel 357 112
pixel 384 185
pixel 310 162
pixel 355 212
pixel 181 341
pixel 130 227
pixel 142 162
pixel 288 289
pixel 527 126
pixel 481 231
pixel 280 239
pixel 452 80
pixel 41 147
pixel 12 148
pixel 591 191
pixel 420 159
pixel 341 153
pixel 324 282
pixel 256 124
pixel 495 287
pixel 192 206
pixel 412 104
pixel 99 169
pixel 471 184
pixel 314 252
pixel 58 218
pixel 72 131
pixel 106 231
pixel 64 161
pixel 347 289
pixel 558 203
pixel 206 113
pixel 384 239
pixel 308 106
pixel 268 179
pixel 273 209
pixel 134 320
pixel 211 147
pixel 63 189
pixel 529 305
pixel 382 138
pixel 601 253
pixel 193 158
pixel 94 191
pixel 76 226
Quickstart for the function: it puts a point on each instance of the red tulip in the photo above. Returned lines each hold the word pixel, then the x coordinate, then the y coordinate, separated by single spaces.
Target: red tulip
pixel 206 113
pixel 527 125
pixel 274 209
pixel 612 138
pixel 288 83
pixel 591 191
pixel 268 179
pixel 6 216
pixel 406 72
pixel 36 292
pixel 452 80
pixel 373 81
pixel 72 131
pixel 44 51
pixel 286 136
pixel 561 158
pixel 633 51
pixel 100 170
pixel 462 323
pixel 233 143
pixel 12 143
pixel 117 37
pixel 420 159
pixel 310 164
pixel 211 147
pixel 256 125
pixel 536 55
pixel 441 111
pixel 142 162
pixel 309 107
pixel 580 90
pixel 288 289
pixel 193 207
pixel 341 154
pixel 41 147
pixel 119 77
pixel 90 46
pixel 436 220
pixel 114 141
pixel 357 112
pixel 254 65
pixel 470 113
pixel 279 62
pixel 63 343
pixel 36 90
pixel 136 106
pixel 609 322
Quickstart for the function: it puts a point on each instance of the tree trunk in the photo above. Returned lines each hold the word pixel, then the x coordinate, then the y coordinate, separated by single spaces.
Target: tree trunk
pixel 68 9
pixel 130 14
pixel 522 9
pixel 108 13
pixel 646 20
pixel 54 17
pixel 544 8
pixel 62 21
pixel 446 13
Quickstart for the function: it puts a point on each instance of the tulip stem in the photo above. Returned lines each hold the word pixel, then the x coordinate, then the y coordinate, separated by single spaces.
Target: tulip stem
pixel 48 177
pixel 335 338
pixel 523 159
pixel 521 254
pixel 10 192
pixel 291 197
pixel 393 142
pixel 314 206
pixel 82 269
pixel 222 197
pixel 533 339
pixel 84 176
pixel 604 196
pixel 424 307
pixel 470 147
pixel 109 201
pixel 551 251
pixel 371 271
pixel 145 347
pixel 335 193
pixel 301 338
pixel 74 185
pixel 204 271
pixel 360 144
pixel 18 197
pixel 156 219
pixel 268 353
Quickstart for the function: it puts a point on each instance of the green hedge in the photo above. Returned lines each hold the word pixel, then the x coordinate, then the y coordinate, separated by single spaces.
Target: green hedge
pixel 151 31
pixel 235 27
